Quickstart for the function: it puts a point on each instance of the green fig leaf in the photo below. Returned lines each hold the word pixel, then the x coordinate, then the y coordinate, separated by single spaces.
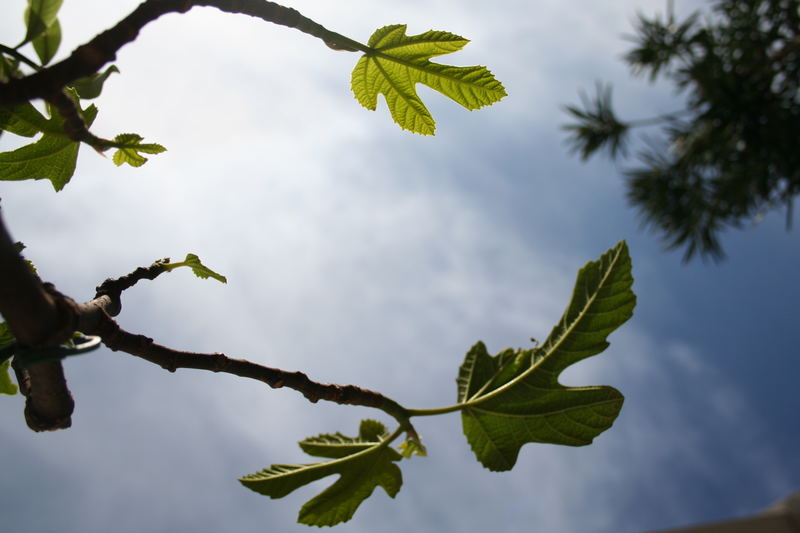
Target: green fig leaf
pixel 128 147
pixel 52 157
pixel 91 87
pixel 39 16
pixel 411 447
pixel 199 269
pixel 397 62
pixel 363 463
pixel 514 398
pixel 47 43
pixel 6 337
pixel 25 120
pixel 6 385
pixel 9 68
pixel 6 345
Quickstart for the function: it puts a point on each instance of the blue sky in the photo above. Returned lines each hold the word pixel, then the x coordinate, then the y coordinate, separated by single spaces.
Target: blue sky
pixel 363 254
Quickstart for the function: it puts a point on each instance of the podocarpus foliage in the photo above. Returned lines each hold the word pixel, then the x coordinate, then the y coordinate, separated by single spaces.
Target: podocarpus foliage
pixel 730 155
pixel 506 400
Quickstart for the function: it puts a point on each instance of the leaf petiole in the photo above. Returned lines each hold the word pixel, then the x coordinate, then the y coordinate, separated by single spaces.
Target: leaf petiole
pixel 436 411
pixel 20 56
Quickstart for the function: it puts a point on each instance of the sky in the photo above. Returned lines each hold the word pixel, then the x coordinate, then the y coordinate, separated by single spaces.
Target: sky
pixel 363 254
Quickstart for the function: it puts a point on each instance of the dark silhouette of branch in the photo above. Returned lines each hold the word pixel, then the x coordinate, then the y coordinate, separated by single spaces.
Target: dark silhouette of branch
pixel 74 125
pixel 96 319
pixel 117 339
pixel 38 319
pixel 90 57
pixel 41 317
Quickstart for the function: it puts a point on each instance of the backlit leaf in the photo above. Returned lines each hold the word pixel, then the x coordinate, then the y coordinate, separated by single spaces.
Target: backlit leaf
pixel 91 87
pixel 363 463
pixel 40 15
pixel 52 157
pixel 515 398
pixel 9 68
pixel 411 447
pixel 46 44
pixel 199 269
pixel 6 385
pixel 6 338
pixel 24 119
pixel 129 146
pixel 398 62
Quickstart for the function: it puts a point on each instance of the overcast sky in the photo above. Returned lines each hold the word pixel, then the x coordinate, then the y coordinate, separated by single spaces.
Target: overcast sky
pixel 363 254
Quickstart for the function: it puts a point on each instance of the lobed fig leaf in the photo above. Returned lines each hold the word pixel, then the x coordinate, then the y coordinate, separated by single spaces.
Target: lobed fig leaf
pixel 515 398
pixel 129 146
pixel 52 157
pixel 363 463
pixel 397 62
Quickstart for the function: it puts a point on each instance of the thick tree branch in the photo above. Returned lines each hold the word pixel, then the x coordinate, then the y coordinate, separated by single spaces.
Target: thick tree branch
pixel 90 57
pixel 38 318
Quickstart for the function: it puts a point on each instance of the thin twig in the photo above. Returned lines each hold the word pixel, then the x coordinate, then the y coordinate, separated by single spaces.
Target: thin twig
pixel 21 57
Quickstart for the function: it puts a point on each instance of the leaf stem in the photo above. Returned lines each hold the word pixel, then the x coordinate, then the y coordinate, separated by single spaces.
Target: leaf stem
pixel 396 433
pixel 437 411
pixel 13 52
pixel 89 58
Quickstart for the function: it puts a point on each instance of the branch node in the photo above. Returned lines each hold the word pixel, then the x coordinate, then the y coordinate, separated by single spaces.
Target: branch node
pixel 221 362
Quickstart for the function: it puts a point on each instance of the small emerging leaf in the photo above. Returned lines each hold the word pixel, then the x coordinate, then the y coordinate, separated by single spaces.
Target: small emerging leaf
pixel 6 339
pixel 363 463
pixel 19 247
pixel 515 398
pixel 199 269
pixel 6 385
pixel 9 68
pixel 412 447
pixel 128 147
pixel 91 87
pixel 398 62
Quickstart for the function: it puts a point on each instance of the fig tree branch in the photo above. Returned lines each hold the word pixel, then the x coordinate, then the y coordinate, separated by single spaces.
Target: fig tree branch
pixel 38 320
pixel 26 302
pixel 90 57
pixel 117 339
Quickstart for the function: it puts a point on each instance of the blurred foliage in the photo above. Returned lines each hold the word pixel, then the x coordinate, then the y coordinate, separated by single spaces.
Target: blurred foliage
pixel 731 155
